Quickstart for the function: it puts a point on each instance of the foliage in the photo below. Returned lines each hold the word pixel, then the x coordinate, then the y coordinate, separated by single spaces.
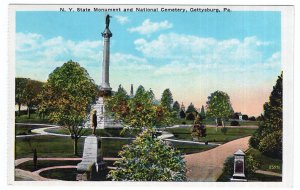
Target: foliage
pixel 20 92
pixel 139 90
pixel 202 113
pixel 138 112
pixel 234 123
pixel 176 107
pixel 252 118
pixel 167 99
pixel 198 130
pixel 219 106
pixel 191 109
pixel 149 159
pixel 67 95
pixel 190 116
pixel 182 114
pixel 270 127
pixel 271 144
pixel 27 92
pixel 245 117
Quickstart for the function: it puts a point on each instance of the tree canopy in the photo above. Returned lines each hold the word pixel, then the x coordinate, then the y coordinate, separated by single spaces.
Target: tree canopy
pixel 268 137
pixel 67 95
pixel 219 106
pixel 167 99
pixel 191 109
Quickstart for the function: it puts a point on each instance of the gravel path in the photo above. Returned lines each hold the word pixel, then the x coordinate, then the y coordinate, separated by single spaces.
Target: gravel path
pixel 208 165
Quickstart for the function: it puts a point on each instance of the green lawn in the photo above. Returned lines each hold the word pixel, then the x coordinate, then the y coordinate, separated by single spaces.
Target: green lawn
pixel 47 146
pixel 46 163
pixel 99 132
pixel 184 133
pixel 25 129
pixel 34 118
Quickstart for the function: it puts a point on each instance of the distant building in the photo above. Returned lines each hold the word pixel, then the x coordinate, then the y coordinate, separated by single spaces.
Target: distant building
pixel 240 116
pixel 182 107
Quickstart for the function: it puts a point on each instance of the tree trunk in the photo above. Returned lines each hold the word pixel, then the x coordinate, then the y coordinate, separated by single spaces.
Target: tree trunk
pixel 75 146
pixel 216 124
pixel 223 125
pixel 19 109
pixel 28 112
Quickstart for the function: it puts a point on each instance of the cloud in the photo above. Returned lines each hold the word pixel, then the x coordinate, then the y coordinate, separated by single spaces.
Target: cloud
pixel 121 19
pixel 183 54
pixel 149 27
pixel 129 63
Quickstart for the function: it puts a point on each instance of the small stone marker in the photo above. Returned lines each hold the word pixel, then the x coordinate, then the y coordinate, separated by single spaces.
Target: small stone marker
pixel 239 167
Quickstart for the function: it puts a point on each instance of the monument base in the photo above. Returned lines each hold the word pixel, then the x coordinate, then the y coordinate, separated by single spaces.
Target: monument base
pixel 91 162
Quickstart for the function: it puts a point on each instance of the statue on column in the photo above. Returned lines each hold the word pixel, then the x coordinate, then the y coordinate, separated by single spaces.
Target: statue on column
pixel 94 121
pixel 107 21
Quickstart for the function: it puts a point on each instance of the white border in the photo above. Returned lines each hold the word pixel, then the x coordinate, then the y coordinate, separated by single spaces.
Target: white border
pixel 288 97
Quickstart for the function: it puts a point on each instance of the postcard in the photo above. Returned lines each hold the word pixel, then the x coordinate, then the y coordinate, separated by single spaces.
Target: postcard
pixel 151 93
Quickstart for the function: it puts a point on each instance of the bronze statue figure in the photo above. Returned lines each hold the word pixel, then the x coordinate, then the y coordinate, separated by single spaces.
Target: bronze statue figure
pixel 107 20
pixel 94 122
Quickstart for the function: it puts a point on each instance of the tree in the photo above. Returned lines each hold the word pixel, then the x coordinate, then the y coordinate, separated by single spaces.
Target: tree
pixel 20 92
pixel 148 158
pixel 270 126
pixel 138 112
pixel 190 116
pixel 198 129
pixel 176 107
pixel 139 90
pixel 252 118
pixel 245 117
pixel 191 109
pixel 32 89
pixel 68 93
pixel 219 106
pixel 202 113
pixel 167 99
pixel 182 114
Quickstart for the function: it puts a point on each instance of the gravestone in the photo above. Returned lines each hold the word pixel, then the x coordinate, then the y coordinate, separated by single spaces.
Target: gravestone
pixel 90 158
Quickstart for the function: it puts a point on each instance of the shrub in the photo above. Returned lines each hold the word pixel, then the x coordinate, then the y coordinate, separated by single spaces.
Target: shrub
pixel 190 116
pixel 148 159
pixel 234 123
pixel 271 144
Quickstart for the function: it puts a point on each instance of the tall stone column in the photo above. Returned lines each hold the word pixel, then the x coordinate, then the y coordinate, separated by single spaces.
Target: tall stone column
pixel 105 86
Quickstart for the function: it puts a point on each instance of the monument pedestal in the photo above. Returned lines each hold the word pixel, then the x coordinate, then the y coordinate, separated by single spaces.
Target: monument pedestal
pixel 91 161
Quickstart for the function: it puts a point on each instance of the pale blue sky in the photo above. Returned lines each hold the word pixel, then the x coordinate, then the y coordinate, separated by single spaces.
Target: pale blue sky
pixel 193 54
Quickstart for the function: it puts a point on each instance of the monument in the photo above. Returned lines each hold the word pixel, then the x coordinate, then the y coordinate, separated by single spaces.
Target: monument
pixel 239 167
pixel 105 90
pixel 92 161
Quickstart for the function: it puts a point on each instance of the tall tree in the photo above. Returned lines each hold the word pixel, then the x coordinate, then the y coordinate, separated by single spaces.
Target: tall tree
pixel 202 113
pixel 140 90
pixel 219 106
pixel 176 108
pixel 32 89
pixel 182 114
pixel 191 109
pixel 68 93
pixel 268 137
pixel 167 99
pixel 20 92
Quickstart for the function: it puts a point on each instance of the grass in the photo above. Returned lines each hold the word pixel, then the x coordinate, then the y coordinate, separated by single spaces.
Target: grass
pixel 25 129
pixel 34 118
pixel 180 121
pixel 191 148
pixel 47 146
pixel 266 163
pixel 46 163
pixel 111 147
pixel 99 132
pixel 184 133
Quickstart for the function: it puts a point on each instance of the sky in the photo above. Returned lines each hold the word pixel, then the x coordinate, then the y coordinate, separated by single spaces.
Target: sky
pixel 192 54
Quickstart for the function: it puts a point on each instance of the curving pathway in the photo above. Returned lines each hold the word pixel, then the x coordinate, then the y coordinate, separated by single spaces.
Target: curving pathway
pixel 208 165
